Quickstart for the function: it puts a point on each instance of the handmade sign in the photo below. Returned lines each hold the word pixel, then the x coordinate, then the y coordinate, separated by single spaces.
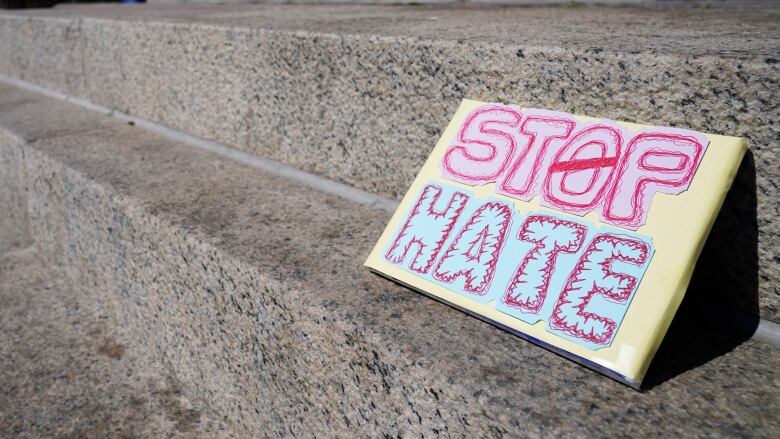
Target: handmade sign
pixel 577 234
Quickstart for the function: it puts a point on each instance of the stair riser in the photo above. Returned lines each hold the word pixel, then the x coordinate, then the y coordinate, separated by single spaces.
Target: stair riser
pixel 363 109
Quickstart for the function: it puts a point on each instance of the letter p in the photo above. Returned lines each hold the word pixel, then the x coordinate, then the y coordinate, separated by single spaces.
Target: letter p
pixel 653 162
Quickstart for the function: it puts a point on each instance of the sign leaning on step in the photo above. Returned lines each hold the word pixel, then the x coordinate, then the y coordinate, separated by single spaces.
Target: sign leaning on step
pixel 577 234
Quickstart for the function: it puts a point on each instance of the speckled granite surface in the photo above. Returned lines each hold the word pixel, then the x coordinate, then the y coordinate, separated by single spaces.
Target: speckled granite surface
pixel 13 221
pixel 250 290
pixel 66 371
pixel 360 93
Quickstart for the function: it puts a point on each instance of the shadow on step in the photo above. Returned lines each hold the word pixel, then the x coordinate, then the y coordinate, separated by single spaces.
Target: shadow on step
pixel 720 309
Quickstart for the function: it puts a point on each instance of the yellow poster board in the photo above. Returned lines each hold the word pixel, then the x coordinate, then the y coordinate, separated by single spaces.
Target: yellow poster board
pixel 575 233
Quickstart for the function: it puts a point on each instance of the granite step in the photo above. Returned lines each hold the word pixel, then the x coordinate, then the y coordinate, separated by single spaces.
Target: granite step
pixel 67 370
pixel 360 93
pixel 248 288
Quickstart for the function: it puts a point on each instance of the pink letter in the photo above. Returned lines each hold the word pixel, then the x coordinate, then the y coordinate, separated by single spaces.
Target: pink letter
pixel 653 162
pixel 528 287
pixel 426 228
pixel 578 176
pixel 593 275
pixel 474 252
pixel 485 144
pixel 541 128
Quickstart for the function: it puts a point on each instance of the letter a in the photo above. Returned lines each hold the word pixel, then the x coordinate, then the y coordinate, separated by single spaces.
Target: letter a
pixel 474 252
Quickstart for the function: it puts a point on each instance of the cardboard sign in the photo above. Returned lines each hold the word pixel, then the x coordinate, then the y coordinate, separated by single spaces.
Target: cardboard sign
pixel 577 234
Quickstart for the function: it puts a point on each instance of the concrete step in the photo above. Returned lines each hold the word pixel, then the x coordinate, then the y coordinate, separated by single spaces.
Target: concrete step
pixel 360 93
pixel 67 370
pixel 249 289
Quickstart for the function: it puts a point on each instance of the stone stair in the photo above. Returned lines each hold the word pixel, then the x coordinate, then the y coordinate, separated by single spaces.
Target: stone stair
pixel 67 371
pixel 238 280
